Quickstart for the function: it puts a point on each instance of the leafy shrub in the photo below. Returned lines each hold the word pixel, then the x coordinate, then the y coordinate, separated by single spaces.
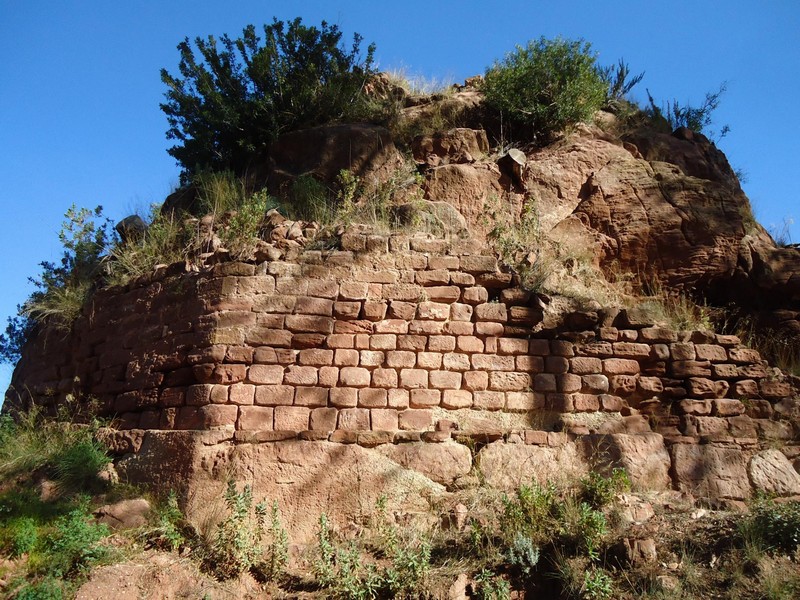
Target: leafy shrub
pixel 20 535
pixel 774 525
pixel 597 585
pixel 491 587
pixel 520 244
pixel 523 554
pixel 235 96
pixel 545 86
pixel 598 490
pixel 49 588
pixel 167 532
pixel 237 545
pixel 73 547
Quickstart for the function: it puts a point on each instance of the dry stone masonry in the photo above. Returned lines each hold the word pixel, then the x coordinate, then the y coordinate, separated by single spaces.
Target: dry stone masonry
pixel 423 350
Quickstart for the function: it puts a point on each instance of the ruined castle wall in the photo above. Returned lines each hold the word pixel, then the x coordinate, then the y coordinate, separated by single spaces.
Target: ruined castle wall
pixel 395 340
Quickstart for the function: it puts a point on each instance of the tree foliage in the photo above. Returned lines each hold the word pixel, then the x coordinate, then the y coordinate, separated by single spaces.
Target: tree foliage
pixel 545 86
pixel 232 97
pixel 61 289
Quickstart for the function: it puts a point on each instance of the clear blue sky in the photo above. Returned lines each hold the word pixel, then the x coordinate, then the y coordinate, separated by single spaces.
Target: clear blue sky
pixel 80 88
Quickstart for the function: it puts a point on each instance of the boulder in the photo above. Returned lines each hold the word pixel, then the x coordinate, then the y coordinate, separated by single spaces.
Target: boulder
pixel 710 471
pixel 126 514
pixel 507 466
pixel 306 478
pixel 440 218
pixel 459 145
pixel 771 472
pixel 643 456
pixel 366 150
pixel 131 228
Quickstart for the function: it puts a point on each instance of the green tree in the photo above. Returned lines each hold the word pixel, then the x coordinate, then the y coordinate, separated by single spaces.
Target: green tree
pixel 541 88
pixel 235 96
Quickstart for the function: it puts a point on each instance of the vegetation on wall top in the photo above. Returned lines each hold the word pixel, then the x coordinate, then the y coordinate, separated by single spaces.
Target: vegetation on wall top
pixel 233 97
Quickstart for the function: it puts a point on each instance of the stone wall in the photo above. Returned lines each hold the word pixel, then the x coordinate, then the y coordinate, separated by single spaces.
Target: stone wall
pixel 398 341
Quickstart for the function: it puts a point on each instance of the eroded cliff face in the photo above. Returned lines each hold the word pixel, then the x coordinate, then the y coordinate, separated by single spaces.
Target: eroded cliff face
pixel 408 365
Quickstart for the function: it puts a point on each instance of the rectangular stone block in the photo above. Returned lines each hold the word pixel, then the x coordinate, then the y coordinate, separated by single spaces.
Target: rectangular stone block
pixel 411 342
pixel 255 418
pixel 344 397
pixel 311 396
pixel 456 362
pixel 372 358
pixel 274 395
pixel 354 377
pixel 585 402
pixel 346 310
pixel 297 375
pixel 199 395
pixel 585 365
pixel 429 360
pixel 476 380
pixel 417 327
pixel 398 398
pixel 354 419
pixel 524 401
pixel 711 352
pixel 309 324
pixel 743 355
pixel 384 419
pixel 372 398
pixel 683 369
pixel 328 377
pixel 512 346
pixel 241 393
pixel 441 343
pixel 396 326
pixel 478 264
pixel 383 341
pixel 401 358
pixel 445 380
pixel 291 418
pixel 492 362
pixel 384 378
pixel 453 399
pixel 415 419
pixel 620 366
pixel 683 351
pixel 631 350
pixel 443 293
pixel 461 312
pixel 413 378
pixel 315 357
pixel 433 277
pixel 509 381
pixel 491 311
pixel 424 398
pixel 346 357
pixel 488 400
pixel 405 292
pixel 324 419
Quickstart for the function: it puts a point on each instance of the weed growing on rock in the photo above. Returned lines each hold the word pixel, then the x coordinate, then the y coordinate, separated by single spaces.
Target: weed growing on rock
pixel 598 490
pixel 237 543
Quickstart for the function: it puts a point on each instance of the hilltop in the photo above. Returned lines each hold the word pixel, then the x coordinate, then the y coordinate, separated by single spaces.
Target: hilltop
pixel 473 343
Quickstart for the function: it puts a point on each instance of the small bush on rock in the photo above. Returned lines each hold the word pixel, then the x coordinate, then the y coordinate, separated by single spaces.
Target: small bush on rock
pixel 545 86
pixel 233 97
